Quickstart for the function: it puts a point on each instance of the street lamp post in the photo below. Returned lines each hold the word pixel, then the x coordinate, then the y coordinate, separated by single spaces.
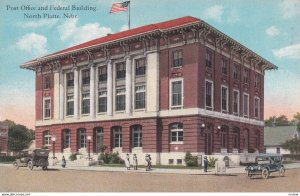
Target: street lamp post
pixel 89 145
pixel 53 145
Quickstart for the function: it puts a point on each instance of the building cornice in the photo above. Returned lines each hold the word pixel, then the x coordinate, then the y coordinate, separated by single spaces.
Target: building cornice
pixel 201 30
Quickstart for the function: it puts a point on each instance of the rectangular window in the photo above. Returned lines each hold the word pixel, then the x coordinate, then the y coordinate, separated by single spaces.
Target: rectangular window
pixel 256 107
pixel 246 105
pixel 179 161
pixel 177 58
pixel 224 97
pixel 85 103
pixel 235 71
pixel 117 137
pixel 246 75
pixel 102 101
pixel 209 58
pixel 70 79
pixel 46 82
pixel 224 66
pixel 236 102
pixel 70 105
pixel 102 74
pixel 140 92
pixel 120 99
pixel 277 150
pixel 47 108
pixel 85 77
pixel 67 139
pixel 121 71
pixel 208 95
pixel 176 94
pixel 140 67
pixel 257 80
pixel 171 161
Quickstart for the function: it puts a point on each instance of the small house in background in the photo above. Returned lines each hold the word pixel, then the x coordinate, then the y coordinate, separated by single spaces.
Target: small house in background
pixel 275 136
pixel 3 138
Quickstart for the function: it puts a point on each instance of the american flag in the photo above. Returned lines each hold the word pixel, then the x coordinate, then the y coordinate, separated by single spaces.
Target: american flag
pixel 119 7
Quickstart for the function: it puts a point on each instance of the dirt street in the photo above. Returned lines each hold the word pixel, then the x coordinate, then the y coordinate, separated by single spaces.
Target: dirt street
pixel 24 180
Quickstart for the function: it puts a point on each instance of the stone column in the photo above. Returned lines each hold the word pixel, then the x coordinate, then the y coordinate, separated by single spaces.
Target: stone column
pixel 92 91
pixel 56 97
pixel 76 93
pixel 109 88
pixel 61 95
pixel 128 84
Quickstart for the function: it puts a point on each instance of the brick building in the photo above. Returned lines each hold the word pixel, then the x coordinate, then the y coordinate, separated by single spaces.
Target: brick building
pixel 3 138
pixel 163 89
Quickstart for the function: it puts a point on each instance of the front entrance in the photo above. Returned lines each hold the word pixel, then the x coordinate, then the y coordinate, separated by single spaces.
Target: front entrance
pixel 208 144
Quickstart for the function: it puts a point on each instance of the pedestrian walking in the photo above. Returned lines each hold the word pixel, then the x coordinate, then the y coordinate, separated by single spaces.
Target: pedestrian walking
pixel 205 164
pixel 148 162
pixel 127 161
pixel 135 162
pixel 63 162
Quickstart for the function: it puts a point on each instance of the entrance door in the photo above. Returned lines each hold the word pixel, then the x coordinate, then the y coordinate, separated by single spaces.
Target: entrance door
pixel 208 143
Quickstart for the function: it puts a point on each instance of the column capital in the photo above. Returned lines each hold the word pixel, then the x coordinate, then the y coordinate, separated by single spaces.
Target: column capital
pixel 91 64
pixel 108 61
pixel 127 57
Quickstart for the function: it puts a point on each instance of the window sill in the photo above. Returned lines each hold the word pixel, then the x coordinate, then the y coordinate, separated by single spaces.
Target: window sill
pixel 120 112
pixel 178 67
pixel 209 108
pixel 85 114
pixel 137 148
pixel 176 142
pixel 101 113
pixel 69 116
pixel 47 118
pixel 140 110
pixel 176 107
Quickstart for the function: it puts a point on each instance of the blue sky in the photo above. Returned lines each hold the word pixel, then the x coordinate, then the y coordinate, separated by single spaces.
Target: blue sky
pixel 270 28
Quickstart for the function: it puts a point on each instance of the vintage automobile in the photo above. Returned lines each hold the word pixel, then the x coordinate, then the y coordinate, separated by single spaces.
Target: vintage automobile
pixel 265 165
pixel 36 157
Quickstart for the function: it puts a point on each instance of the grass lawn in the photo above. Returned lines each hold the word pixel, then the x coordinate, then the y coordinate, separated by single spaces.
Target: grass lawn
pixel 154 166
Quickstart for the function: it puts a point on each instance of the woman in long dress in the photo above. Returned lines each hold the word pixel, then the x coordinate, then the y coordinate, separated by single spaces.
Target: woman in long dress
pixel 135 162
pixel 127 162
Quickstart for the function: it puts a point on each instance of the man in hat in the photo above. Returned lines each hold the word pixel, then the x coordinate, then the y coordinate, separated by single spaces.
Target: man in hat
pixel 205 164
pixel 135 162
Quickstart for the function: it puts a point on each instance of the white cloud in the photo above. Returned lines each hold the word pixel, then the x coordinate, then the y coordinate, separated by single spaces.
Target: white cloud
pixel 215 13
pixel 290 8
pixel 272 31
pixel 291 52
pixel 69 31
pixel 233 17
pixel 124 28
pixel 40 23
pixel 33 43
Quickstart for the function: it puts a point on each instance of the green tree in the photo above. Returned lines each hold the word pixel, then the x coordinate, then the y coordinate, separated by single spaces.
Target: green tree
pixel 297 118
pixel 281 120
pixel 293 145
pixel 19 136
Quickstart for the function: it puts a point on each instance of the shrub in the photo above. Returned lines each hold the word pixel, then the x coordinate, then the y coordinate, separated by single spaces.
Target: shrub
pixel 212 161
pixel 73 156
pixel 111 158
pixel 190 160
pixel 7 158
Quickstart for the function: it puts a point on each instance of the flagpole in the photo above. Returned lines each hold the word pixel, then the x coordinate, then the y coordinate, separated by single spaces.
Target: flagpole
pixel 129 17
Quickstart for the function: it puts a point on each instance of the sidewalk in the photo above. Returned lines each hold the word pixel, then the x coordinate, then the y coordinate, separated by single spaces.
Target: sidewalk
pixel 229 171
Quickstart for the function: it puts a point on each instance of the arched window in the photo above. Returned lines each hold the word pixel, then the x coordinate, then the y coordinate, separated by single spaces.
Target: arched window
pixel 176 132
pixel 136 136
pixel 81 138
pixel 66 138
pixel 224 135
pixel 236 138
pixel 98 139
pixel 257 140
pixel 117 133
pixel 46 138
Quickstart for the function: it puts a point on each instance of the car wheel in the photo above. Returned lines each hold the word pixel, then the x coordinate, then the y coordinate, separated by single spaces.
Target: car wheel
pixel 248 174
pixel 281 172
pixel 15 165
pixel 30 165
pixel 264 173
